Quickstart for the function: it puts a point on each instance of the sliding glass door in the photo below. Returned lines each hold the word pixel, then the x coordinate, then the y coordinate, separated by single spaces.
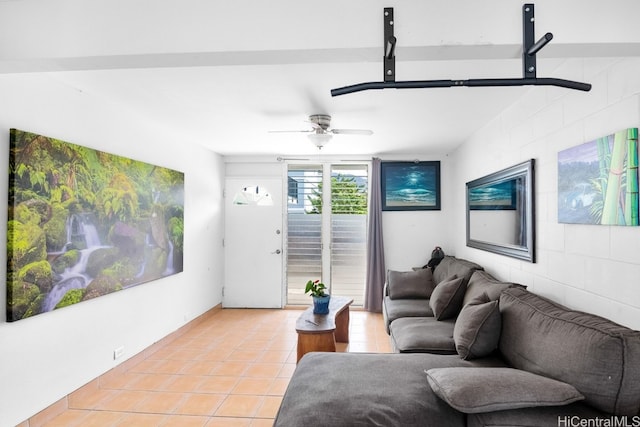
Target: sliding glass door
pixel 304 231
pixel 326 230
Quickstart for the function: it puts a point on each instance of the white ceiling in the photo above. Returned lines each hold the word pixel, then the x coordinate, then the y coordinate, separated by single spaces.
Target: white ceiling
pixel 223 74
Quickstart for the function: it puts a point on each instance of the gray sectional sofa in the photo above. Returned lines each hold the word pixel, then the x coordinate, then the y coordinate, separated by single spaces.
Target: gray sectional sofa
pixel 408 306
pixel 508 357
pixel 406 294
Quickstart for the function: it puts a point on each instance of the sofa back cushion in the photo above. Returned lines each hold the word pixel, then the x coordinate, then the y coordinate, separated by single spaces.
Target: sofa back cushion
pixel 477 329
pixel 446 299
pixel 482 283
pixel 410 284
pixel 451 266
pixel 600 358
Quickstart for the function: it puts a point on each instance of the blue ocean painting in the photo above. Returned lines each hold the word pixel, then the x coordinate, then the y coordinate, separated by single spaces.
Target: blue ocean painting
pixel 411 185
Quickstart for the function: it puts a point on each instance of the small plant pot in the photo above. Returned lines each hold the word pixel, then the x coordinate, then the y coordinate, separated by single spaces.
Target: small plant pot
pixel 321 305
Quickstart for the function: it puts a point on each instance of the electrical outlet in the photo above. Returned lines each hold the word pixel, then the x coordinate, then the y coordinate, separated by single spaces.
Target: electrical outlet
pixel 118 352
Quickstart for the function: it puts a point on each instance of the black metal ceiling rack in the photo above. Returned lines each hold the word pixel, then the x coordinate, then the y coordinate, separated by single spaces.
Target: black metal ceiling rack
pixel 529 49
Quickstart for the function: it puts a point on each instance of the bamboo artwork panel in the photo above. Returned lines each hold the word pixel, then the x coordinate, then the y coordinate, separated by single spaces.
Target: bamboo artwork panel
pixel 598 181
pixel 83 223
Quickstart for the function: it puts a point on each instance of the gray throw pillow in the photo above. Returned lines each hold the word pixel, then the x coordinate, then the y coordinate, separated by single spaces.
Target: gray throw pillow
pixel 410 284
pixel 475 390
pixel 446 299
pixel 477 329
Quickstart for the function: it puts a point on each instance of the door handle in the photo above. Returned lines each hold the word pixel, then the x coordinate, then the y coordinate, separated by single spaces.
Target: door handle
pixel 277 252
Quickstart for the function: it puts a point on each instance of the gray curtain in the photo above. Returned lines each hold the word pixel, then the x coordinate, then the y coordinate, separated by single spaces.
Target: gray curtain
pixel 375 246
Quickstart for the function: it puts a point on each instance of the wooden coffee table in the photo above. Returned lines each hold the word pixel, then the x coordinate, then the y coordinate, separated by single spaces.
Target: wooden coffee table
pixel 319 332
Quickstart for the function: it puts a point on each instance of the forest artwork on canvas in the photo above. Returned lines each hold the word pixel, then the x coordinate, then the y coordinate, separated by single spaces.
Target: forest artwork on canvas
pixel 83 223
pixel 598 181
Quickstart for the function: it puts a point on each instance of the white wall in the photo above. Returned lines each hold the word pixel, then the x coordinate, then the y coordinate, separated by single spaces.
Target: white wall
pixel 593 268
pixel 47 356
pixel 410 236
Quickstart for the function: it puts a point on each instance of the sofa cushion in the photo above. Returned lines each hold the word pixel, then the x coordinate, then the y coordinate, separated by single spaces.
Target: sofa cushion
pixel 477 329
pixel 423 335
pixel 481 283
pixel 600 358
pixel 474 390
pixel 349 389
pixel 365 389
pixel 446 299
pixel 395 309
pixel 410 284
pixel 451 266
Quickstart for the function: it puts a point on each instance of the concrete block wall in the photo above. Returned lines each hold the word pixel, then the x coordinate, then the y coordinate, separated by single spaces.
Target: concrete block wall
pixel 594 268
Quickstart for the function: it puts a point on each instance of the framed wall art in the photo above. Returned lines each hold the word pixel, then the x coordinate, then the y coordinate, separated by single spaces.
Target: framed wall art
pixel 83 223
pixel 598 181
pixel 410 186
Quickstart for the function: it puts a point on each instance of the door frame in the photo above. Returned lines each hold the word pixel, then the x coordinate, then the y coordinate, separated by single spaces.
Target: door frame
pixel 326 165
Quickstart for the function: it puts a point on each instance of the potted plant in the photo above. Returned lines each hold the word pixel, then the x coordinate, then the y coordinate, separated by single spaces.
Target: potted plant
pixel 320 298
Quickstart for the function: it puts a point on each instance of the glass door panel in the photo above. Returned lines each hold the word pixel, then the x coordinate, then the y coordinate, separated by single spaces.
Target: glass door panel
pixel 349 231
pixel 304 230
pixel 330 247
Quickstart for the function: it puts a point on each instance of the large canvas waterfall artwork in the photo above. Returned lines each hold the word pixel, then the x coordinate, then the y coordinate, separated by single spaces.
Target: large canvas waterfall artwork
pixel 598 181
pixel 84 223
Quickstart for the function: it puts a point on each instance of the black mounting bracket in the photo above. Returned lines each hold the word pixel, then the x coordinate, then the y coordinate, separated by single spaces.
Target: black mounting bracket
pixel 389 60
pixel 529 49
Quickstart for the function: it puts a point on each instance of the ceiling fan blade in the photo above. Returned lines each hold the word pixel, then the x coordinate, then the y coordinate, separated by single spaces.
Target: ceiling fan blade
pixel 351 131
pixel 291 131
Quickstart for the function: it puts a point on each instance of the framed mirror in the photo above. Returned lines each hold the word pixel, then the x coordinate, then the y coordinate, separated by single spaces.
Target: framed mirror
pixel 500 212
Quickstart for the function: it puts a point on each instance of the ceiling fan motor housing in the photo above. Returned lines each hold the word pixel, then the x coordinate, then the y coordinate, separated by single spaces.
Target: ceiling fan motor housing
pixel 322 120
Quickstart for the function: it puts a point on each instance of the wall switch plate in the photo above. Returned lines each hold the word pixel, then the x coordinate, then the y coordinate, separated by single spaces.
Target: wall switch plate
pixel 118 352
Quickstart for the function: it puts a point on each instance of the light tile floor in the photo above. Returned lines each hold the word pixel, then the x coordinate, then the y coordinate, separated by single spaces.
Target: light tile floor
pixel 231 369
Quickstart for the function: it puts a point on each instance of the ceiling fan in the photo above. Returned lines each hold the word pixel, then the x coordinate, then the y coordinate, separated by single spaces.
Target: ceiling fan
pixel 321 133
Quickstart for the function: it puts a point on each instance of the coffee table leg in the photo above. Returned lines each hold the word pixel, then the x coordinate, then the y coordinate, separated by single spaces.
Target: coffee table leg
pixel 315 342
pixel 342 325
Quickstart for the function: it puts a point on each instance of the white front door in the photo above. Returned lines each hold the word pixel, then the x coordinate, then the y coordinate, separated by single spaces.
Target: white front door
pixel 253 243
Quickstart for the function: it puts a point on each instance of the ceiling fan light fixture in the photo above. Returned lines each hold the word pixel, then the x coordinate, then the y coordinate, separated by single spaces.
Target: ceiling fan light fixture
pixel 320 139
pixel 321 132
